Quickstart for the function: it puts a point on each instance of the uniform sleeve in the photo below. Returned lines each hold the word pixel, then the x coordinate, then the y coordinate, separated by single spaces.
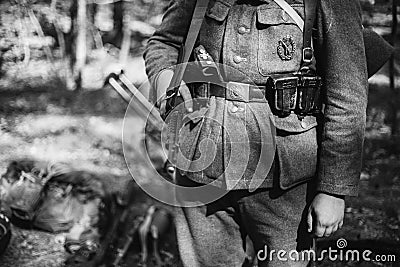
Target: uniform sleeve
pixel 346 87
pixel 162 48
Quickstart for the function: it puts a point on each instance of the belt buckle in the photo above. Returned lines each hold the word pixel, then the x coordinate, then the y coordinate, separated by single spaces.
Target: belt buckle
pixel 237 91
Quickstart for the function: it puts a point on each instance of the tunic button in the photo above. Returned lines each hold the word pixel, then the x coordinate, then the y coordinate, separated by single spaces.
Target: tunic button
pixel 234 109
pixel 238 59
pixel 243 30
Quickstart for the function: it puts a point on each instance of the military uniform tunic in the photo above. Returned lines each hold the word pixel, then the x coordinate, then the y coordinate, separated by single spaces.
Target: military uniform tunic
pixel 245 35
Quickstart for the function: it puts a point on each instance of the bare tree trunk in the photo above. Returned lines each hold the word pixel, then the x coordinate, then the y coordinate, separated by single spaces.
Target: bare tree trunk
pixel 114 37
pixel 39 31
pixel 61 41
pixel 60 34
pixel 395 101
pixel 126 41
pixel 1 64
pixel 118 15
pixel 23 37
pixel 24 41
pixel 77 44
pixel 94 37
pixel 80 52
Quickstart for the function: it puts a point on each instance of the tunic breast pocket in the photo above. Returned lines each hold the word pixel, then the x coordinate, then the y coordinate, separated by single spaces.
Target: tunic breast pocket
pixel 280 40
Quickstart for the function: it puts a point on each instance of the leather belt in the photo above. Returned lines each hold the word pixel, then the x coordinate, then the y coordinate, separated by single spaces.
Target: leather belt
pixel 235 91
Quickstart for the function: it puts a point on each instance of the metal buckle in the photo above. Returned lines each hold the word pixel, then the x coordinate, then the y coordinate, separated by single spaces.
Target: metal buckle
pixel 237 91
pixel 310 51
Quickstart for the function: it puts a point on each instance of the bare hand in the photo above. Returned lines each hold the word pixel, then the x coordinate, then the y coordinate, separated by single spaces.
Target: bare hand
pixel 163 81
pixel 325 215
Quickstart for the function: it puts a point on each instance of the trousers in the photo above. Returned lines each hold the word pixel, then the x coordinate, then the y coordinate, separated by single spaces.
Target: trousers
pixel 214 234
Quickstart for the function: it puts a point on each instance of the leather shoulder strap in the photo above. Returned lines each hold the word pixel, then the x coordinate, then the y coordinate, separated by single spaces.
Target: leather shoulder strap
pixel 306 26
pixel 310 8
pixel 186 49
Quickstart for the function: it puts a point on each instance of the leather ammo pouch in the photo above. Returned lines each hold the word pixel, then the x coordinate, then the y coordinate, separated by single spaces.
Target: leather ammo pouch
pixel 298 92
pixel 294 93
pixel 309 95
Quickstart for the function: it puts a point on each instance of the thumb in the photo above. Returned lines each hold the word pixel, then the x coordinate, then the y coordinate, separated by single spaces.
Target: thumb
pixel 309 221
pixel 162 81
pixel 163 104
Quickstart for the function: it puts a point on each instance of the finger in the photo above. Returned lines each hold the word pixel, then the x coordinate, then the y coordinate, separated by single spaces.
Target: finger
pixel 159 99
pixel 340 224
pixel 187 97
pixel 163 105
pixel 328 231
pixel 309 221
pixel 335 228
pixel 319 230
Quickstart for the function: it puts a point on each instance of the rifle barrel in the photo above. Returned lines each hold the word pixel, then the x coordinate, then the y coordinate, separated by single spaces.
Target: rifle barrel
pixel 142 106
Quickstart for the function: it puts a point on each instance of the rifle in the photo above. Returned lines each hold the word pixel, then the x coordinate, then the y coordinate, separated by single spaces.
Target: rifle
pixel 128 92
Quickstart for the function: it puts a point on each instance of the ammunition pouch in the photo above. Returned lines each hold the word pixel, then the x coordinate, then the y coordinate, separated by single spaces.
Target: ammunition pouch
pixel 286 94
pixel 294 93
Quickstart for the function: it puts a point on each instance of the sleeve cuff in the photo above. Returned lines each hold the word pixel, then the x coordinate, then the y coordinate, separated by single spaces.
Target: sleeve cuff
pixel 159 79
pixel 344 190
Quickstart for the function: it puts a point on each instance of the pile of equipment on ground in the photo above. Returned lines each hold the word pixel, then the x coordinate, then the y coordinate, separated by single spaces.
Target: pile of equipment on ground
pixel 97 223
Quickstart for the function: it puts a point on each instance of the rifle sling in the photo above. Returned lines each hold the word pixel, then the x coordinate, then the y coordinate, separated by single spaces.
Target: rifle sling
pixel 305 26
pixel 194 29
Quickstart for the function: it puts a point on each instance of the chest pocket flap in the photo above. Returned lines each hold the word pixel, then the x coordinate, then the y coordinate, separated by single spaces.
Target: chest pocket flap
pixel 274 15
pixel 279 40
pixel 218 10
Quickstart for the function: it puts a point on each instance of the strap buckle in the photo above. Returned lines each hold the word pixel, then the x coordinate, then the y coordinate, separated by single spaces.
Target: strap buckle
pixel 307 54
pixel 237 91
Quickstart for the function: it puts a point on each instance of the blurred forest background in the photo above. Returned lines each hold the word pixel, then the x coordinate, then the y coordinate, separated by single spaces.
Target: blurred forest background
pixel 54 58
